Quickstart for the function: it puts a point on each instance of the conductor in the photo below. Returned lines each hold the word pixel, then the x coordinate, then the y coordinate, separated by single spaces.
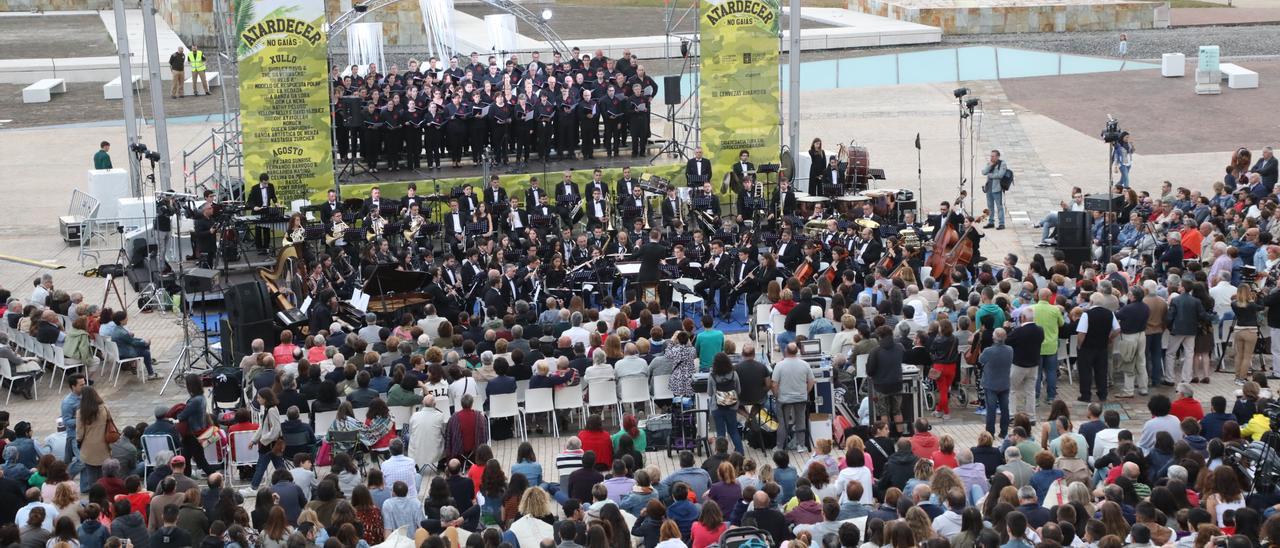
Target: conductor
pixel 651 254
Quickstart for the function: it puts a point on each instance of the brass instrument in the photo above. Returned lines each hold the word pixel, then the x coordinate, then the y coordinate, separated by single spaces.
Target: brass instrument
pixel 608 216
pixel 375 229
pixel 335 232
pixel 298 236
pixel 415 224
pixel 815 227
pixel 577 210
pixel 644 210
pixel 679 211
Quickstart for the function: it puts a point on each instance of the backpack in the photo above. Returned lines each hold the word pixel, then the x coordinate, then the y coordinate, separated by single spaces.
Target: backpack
pixel 1006 181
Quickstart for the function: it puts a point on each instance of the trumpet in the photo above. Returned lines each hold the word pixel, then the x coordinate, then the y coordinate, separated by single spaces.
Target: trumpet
pixel 375 228
pixel 335 232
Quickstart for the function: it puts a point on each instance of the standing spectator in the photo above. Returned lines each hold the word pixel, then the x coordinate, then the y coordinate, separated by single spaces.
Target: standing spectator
pixel 102 158
pixel 1097 327
pixel 1157 307
pixel 884 367
pixel 1130 348
pixel 268 433
pixel 1026 344
pixel 724 386
pixel 93 420
pixel 1185 315
pixel 1245 334
pixel 177 64
pixel 1122 150
pixel 792 381
pixel 944 352
pixel 997 361
pixel 995 171
pixel 1048 316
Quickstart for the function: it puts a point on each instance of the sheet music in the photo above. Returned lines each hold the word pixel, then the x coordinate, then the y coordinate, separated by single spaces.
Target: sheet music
pixel 306 305
pixel 360 300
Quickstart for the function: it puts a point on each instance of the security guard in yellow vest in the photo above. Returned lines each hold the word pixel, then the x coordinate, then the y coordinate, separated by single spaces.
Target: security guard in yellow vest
pixel 195 60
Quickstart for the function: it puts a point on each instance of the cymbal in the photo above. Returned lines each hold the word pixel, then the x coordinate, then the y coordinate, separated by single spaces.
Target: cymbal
pixel 867 223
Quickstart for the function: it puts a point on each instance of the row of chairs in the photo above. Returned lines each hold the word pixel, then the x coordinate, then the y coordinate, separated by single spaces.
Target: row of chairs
pixel 53 356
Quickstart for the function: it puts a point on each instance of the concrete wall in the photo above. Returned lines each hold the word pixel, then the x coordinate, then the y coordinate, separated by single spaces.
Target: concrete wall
pixel 54 5
pixel 191 19
pixel 1004 18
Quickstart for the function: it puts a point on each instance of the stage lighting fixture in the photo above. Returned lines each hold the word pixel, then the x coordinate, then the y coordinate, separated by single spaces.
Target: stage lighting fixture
pixel 960 92
pixel 361 8
pixel 971 102
pixel 546 15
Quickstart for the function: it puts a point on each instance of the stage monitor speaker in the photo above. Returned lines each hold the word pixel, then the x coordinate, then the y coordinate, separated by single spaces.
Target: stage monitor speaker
pixel 353 112
pixel 199 280
pixel 671 90
pixel 1101 202
pixel 1077 256
pixel 248 302
pixel 1073 229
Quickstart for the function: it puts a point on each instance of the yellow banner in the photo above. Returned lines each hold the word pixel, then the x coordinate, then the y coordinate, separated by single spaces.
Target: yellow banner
pixel 284 95
pixel 739 89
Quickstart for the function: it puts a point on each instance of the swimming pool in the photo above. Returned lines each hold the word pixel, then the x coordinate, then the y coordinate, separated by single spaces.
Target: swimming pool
pixel 944 65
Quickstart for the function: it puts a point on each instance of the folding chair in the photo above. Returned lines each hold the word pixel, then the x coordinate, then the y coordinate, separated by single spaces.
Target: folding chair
pixel 114 351
pixel 152 446
pixel 602 394
pixel 241 453
pixel 824 342
pixel 661 387
pixel 400 414
pixel 7 374
pixel 506 406
pixel 320 424
pixel 635 389
pixel 521 388
pixel 61 364
pixel 569 398
pixel 542 400
pixel 802 330
pixel 360 414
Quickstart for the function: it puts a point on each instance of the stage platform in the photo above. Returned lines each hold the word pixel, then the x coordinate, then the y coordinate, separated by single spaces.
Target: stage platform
pixel 1008 16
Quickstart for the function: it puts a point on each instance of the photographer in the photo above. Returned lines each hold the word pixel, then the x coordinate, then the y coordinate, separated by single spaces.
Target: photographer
pixel 1122 158
pixel 995 171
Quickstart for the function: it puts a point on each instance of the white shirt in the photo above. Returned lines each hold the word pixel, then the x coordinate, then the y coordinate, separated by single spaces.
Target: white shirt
pixel 402 468
pixel 264 195
pixel 1104 441
pixel 459 388
pixel 578 335
pixel 40 295
pixel 1083 326
pixel 859 474
pixel 608 314
pixel 1223 294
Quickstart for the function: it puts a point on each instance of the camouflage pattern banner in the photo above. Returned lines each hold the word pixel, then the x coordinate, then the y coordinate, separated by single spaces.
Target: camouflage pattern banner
pixel 739 89
pixel 284 95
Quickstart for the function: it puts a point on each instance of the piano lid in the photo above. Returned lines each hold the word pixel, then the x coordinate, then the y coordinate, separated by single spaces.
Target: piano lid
pixel 385 280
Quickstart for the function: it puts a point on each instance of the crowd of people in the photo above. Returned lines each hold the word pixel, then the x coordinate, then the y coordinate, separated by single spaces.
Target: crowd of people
pixel 376 433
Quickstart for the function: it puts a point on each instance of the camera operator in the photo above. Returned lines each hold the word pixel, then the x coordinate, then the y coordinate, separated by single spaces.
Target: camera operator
pixel 163 225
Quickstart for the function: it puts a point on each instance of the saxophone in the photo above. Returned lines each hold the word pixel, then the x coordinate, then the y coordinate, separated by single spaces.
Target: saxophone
pixel 335 232
pixel 375 229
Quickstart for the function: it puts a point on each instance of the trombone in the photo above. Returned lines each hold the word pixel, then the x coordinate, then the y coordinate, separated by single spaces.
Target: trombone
pixel 644 203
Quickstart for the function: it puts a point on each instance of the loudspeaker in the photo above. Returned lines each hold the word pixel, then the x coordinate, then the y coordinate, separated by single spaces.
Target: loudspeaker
pixel 199 280
pixel 237 338
pixel 1100 202
pixel 353 113
pixel 1073 229
pixel 247 303
pixel 1077 256
pixel 671 90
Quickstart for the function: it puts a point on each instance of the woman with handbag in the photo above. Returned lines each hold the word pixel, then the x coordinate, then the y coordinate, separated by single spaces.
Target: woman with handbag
pixel 95 432
pixel 724 386
pixel 944 352
pixel 193 424
pixel 268 440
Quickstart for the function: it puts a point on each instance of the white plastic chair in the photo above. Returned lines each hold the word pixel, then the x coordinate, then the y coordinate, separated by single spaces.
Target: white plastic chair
pixel 213 455
pixel 633 390
pixel 542 400
pixel 114 351
pixel 603 394
pixel 7 374
pixel 400 414
pixel 152 445
pixel 569 398
pixel 323 420
pixel 360 413
pixel 506 406
pixel 482 393
pixel 824 342
pixel 777 325
pixel 61 364
pixel 802 330
pixel 661 387
pixel 521 388
pixel 241 453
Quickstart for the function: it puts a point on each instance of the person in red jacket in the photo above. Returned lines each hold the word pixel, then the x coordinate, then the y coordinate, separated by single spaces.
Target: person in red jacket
pixel 595 438
pixel 946 453
pixel 923 442
pixel 1187 405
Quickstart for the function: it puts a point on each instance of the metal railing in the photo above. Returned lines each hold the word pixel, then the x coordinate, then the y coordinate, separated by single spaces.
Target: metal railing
pixel 216 163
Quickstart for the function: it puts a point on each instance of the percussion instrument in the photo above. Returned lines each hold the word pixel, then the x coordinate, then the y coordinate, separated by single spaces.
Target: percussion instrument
pixel 881 200
pixel 815 227
pixel 867 223
pixel 805 205
pixel 850 206
pixel 859 170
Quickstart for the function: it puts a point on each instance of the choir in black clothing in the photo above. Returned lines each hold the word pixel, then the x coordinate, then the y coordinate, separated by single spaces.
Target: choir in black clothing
pixel 526 111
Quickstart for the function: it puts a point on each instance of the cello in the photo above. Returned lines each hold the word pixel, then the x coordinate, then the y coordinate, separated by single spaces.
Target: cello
pixel 939 266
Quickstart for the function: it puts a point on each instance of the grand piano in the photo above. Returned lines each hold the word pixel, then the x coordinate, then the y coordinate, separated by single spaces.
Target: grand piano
pixel 391 293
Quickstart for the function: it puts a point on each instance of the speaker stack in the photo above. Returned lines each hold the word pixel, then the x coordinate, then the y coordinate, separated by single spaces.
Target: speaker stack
pixel 1074 236
pixel 249 317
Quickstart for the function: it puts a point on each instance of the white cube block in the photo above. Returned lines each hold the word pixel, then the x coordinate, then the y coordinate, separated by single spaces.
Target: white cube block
pixel 1173 65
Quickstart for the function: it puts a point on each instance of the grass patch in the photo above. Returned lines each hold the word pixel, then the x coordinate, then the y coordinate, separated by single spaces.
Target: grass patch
pixel 1196 4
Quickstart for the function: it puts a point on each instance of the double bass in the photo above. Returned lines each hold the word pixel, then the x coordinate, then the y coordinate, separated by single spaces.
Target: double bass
pixel 952 250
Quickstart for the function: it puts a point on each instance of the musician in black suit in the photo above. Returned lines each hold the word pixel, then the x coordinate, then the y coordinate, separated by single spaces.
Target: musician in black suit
pixel 597 211
pixel 597 184
pixel 468 200
pixel 716 270
pixel 261 196
pixel 375 202
pixel 564 189
pixel 514 285
pixel 744 279
pixel 495 195
pixel 533 194
pixel 494 301
pixel 870 249
pixel 320 317
pixel 651 254
pixel 204 239
pixel 455 225
pixel 788 251
pixel 705 200
pixel 331 205
pixel 951 217
pixel 626 183
pixel 632 206
pixel 411 197
pixel 740 170
pixel 698 169
pixel 671 208
pixel 831 182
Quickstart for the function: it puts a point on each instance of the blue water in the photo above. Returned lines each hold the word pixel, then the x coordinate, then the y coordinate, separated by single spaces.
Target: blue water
pixel 943 65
